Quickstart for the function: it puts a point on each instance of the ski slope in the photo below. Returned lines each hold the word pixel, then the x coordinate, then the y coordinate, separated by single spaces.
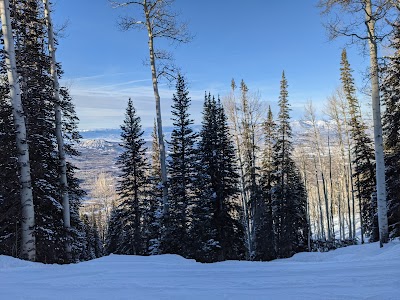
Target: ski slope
pixel 356 272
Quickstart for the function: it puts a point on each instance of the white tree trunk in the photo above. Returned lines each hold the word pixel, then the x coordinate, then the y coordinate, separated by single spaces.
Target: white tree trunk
pixel 28 242
pixel 158 111
pixel 376 111
pixel 58 120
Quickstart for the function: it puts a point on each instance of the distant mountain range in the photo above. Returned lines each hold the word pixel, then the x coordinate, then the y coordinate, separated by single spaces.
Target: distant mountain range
pixel 100 149
pixel 114 135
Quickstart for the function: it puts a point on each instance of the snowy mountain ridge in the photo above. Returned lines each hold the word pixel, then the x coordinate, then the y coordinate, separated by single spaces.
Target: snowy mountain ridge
pixel 114 134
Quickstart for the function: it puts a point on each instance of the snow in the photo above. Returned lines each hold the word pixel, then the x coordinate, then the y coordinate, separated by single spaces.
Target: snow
pixel 355 272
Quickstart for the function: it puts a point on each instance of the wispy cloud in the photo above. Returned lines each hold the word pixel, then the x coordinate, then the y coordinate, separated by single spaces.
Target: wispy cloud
pixel 102 103
pixel 98 76
pixel 101 99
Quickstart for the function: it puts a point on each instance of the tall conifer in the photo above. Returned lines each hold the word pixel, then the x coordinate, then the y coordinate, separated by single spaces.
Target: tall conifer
pixel 289 204
pixel 182 170
pixel 391 119
pixel 133 186
pixel 264 231
pixel 363 155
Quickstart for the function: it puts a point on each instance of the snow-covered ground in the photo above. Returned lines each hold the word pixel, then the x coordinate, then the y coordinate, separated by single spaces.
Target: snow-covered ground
pixel 356 272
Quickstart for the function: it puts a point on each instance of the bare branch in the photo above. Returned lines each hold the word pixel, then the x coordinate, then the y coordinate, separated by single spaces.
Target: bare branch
pixel 116 4
pixel 127 23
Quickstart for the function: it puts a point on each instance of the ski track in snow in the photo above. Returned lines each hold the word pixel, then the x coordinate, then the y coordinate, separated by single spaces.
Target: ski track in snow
pixel 355 272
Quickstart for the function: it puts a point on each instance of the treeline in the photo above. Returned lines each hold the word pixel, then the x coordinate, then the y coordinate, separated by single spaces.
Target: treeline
pixel 241 188
pixel 209 201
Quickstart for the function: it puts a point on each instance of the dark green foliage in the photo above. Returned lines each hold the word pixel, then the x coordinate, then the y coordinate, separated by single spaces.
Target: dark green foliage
pixel 88 250
pixel 153 214
pixel 363 155
pixel 113 236
pixel 217 231
pixel 182 171
pixel 9 188
pixel 391 130
pixel 263 222
pixel 288 195
pixel 126 225
pixel 37 99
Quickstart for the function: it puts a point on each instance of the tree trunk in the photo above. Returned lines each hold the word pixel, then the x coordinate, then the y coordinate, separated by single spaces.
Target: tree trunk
pixel 376 112
pixel 158 111
pixel 58 120
pixel 360 208
pixel 307 203
pixel 331 187
pixel 28 242
pixel 319 202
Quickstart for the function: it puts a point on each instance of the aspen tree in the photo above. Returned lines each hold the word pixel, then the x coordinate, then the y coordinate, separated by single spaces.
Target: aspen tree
pixel 367 13
pixel 316 138
pixel 58 127
pixel 28 242
pixel 160 23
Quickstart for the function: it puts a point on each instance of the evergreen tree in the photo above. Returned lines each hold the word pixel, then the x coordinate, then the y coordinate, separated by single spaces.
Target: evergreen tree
pixel 289 204
pixel 264 231
pixel 182 170
pixel 391 119
pixel 37 98
pixel 363 155
pixel 88 251
pixel 132 187
pixel 218 232
pixel 10 208
pixel 153 213
pixel 114 230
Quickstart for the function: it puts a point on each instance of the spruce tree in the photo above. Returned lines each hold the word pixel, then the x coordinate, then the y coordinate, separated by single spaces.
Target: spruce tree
pixel 10 208
pixel 37 99
pixel 182 170
pixel 229 213
pixel 133 186
pixel 114 230
pixel 88 251
pixel 217 230
pixel 289 204
pixel 263 223
pixel 153 213
pixel 391 119
pixel 363 155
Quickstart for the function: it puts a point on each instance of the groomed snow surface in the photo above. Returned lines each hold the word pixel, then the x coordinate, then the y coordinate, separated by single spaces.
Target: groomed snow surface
pixel 356 272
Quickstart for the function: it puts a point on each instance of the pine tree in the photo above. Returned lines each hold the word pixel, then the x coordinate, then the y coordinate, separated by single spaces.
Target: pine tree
pixel 88 251
pixel 289 204
pixel 229 214
pixel 182 169
pixel 205 246
pixel 38 103
pixel 217 230
pixel 63 176
pixel 391 119
pixel 153 213
pixel 264 231
pixel 133 186
pixel 114 230
pixel 10 207
pixel 28 238
pixel 363 155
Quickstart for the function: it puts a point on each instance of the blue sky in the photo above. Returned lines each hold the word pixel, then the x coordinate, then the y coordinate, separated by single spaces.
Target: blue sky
pixel 252 40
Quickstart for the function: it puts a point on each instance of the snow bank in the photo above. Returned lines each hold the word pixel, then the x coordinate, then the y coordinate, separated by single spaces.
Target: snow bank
pixel 356 272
